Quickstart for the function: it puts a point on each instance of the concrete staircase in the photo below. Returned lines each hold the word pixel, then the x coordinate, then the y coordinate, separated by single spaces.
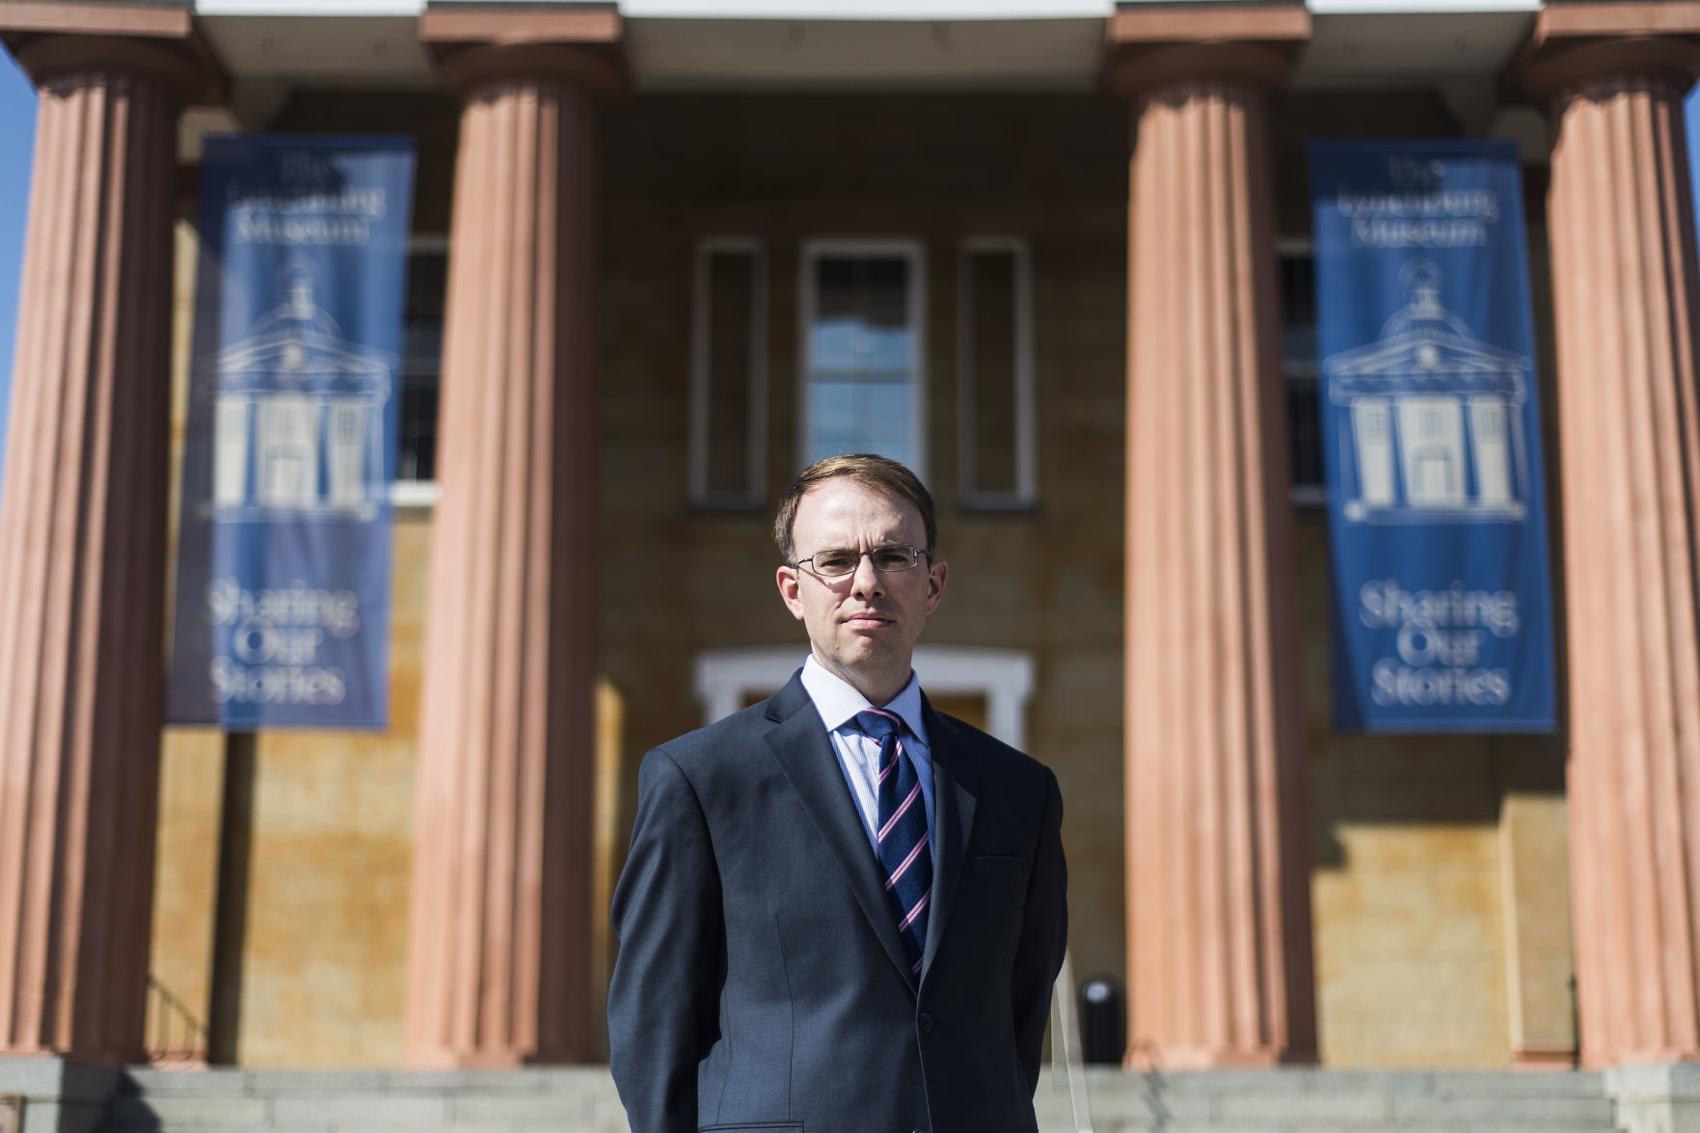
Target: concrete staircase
pixel 582 1100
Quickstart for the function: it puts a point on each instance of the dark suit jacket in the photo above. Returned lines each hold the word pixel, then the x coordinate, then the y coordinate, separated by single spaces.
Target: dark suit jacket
pixel 761 986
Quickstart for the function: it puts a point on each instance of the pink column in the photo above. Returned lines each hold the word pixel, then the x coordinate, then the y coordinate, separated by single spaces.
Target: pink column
pixel 1218 883
pixel 1624 290
pixel 502 923
pixel 82 548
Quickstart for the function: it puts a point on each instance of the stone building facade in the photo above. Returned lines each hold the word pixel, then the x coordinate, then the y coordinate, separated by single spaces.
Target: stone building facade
pixel 632 223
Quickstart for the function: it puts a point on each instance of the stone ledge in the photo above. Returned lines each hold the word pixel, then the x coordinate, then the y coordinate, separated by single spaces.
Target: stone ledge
pixel 69 1097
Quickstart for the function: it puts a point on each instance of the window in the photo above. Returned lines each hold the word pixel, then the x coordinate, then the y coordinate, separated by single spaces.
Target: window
pixel 861 371
pixel 996 373
pixel 1303 373
pixel 347 451
pixel 230 464
pixel 289 455
pixel 729 374
pixel 422 358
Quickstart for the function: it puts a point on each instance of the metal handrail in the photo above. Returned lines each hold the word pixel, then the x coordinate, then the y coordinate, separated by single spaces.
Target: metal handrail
pixel 1067 1062
pixel 175 1034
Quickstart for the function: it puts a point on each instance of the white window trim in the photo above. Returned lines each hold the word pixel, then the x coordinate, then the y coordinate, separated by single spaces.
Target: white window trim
pixel 1026 487
pixel 725 678
pixel 910 250
pixel 756 469
pixel 420 495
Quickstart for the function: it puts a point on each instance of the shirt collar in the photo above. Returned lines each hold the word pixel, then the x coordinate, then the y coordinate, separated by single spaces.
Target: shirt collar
pixel 837 700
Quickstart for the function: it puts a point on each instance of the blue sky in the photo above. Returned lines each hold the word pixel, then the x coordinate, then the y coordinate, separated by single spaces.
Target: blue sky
pixel 17 134
pixel 1693 117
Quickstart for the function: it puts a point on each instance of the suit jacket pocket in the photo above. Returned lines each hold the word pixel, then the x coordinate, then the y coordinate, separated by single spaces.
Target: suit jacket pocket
pixel 754 1127
pixel 995 865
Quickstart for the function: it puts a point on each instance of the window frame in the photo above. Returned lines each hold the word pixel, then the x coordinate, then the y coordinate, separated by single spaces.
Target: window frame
pixel 1026 457
pixel 701 283
pixel 813 250
pixel 420 493
pixel 1305 496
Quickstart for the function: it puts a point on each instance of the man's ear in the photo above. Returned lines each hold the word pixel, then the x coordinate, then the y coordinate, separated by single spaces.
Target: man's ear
pixel 935 584
pixel 788 582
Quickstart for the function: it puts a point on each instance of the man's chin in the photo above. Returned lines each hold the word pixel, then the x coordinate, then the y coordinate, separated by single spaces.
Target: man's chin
pixel 868 651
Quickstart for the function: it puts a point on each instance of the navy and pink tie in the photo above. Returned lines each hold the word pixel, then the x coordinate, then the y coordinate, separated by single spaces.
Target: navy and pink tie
pixel 902 833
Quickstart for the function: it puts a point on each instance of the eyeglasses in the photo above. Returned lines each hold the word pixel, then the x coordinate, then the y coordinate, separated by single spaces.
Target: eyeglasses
pixel 842 561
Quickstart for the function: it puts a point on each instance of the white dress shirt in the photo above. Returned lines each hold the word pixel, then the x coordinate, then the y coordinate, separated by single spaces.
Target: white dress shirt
pixel 837 701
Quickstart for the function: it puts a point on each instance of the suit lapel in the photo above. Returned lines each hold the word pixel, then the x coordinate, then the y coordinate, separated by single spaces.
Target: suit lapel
pixel 956 786
pixel 805 754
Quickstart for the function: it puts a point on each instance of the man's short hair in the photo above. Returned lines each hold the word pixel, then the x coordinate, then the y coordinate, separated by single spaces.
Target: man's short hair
pixel 877 472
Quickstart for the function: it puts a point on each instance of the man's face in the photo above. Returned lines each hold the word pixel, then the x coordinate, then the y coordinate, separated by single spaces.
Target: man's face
pixel 863 627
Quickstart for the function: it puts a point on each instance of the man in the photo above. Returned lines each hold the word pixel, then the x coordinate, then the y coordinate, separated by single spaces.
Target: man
pixel 842 912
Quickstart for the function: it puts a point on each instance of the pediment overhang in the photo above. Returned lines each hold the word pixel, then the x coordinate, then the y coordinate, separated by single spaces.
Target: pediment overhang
pixel 296 351
pixel 1426 361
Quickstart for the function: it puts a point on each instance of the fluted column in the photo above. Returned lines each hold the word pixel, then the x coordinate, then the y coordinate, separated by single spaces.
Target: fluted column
pixel 1219 954
pixel 82 549
pixel 1624 288
pixel 502 923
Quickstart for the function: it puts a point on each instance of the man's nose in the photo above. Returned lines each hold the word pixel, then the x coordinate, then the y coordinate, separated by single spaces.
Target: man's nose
pixel 866 580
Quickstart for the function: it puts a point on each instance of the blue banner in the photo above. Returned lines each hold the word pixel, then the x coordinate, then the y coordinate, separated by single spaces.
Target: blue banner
pixel 283 566
pixel 1431 428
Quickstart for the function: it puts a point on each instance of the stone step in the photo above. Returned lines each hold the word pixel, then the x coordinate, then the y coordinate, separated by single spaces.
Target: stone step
pixel 1310 1098
pixel 1495 1083
pixel 583 1100
pixel 1276 1124
pixel 1360 1112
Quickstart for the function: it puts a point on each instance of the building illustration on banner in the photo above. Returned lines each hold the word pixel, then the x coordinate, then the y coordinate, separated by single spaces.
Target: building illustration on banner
pixel 1433 424
pixel 298 424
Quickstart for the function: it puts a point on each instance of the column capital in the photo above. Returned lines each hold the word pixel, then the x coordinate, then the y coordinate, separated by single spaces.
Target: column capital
pixel 48 59
pixel 154 42
pixel 1649 44
pixel 1163 46
pixel 1550 76
pixel 576 44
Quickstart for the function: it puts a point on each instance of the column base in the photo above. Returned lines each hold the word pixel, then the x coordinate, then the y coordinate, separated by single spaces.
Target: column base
pixel 1657 1098
pixel 51 1094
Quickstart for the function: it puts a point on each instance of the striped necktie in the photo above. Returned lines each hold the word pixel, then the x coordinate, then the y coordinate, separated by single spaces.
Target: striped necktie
pixel 904 856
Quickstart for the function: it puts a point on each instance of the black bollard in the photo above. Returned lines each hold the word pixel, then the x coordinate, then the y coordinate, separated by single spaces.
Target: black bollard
pixel 1103 1025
